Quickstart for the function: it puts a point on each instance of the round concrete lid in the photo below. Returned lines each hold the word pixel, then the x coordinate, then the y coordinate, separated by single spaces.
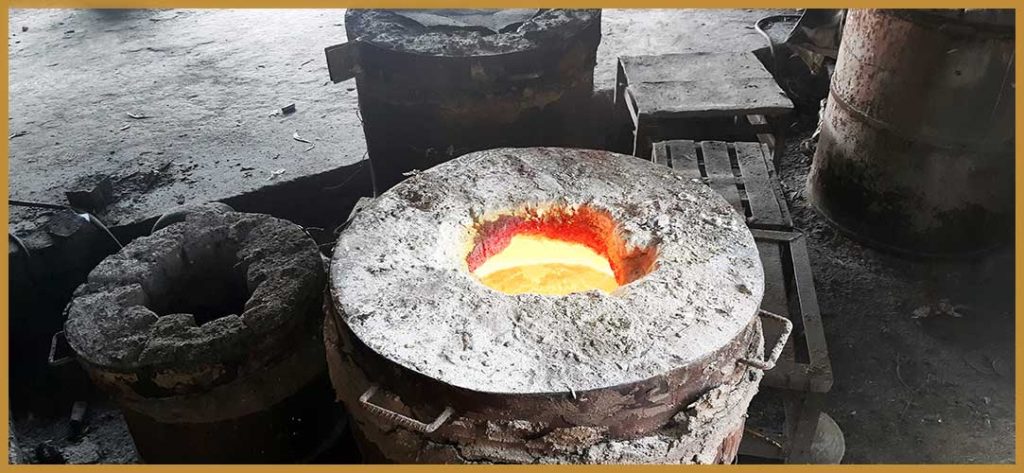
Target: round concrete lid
pixel 400 280
pixel 125 317
pixel 438 34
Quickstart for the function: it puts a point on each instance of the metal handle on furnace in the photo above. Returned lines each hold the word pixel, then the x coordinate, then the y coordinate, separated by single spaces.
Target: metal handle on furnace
pixel 773 357
pixel 407 422
pixel 58 339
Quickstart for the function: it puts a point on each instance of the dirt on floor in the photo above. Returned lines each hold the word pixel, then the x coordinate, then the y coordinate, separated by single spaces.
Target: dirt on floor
pixel 922 350
pixel 178 106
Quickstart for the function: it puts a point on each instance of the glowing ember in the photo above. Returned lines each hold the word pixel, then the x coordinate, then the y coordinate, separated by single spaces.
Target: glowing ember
pixel 555 252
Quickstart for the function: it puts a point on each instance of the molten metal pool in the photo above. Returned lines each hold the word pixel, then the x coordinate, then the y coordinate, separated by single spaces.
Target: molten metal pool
pixel 555 251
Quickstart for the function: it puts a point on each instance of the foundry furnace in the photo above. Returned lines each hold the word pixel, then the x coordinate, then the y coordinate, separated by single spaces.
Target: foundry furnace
pixel 434 85
pixel 207 334
pixel 651 354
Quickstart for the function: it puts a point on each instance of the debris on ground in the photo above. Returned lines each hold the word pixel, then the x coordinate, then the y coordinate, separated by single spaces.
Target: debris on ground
pixel 85 452
pixel 296 137
pixel 76 422
pixel 284 111
pixel 943 308
pixel 48 454
pixel 92 192
pixel 138 116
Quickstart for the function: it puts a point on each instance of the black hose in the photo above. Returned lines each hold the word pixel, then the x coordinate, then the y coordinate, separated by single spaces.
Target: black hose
pixel 28 255
pixel 88 217
pixel 40 205
pixel 98 224
pixel 179 215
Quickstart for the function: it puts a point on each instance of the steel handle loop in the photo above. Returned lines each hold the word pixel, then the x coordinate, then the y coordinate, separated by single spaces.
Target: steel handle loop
pixel 407 422
pixel 54 342
pixel 773 357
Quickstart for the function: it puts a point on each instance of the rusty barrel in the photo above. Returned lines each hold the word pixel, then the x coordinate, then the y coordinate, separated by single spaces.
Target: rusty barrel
pixel 207 334
pixel 437 364
pixel 428 93
pixel 916 152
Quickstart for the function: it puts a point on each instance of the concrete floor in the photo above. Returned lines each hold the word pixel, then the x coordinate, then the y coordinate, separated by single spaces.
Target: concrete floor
pixel 209 87
pixel 208 81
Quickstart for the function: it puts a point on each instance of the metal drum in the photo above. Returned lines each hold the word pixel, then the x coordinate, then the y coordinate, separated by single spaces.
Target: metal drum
pixel 429 92
pixel 917 142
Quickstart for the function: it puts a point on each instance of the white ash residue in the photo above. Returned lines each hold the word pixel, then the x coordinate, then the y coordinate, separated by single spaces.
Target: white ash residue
pixel 389 30
pixel 400 281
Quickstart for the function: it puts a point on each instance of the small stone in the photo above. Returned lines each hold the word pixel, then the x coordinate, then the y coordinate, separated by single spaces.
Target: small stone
pixel 47 454
pixel 83 453
pixel 92 192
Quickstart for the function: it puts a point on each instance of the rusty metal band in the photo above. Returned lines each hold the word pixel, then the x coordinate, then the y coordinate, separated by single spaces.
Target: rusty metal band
pixel 241 397
pixel 881 125
pixel 956 27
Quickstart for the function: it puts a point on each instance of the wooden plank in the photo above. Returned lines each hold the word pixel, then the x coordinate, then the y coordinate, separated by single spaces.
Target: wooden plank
pixel 776 296
pixel 761 195
pixel 659 154
pixel 683 158
pixel 758 122
pixel 703 99
pixel 719 172
pixel 680 155
pixel 693 66
pixel 802 424
pixel 767 151
pixel 814 330
pixel 757 444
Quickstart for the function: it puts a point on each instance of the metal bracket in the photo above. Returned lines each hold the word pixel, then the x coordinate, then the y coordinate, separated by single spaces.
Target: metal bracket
pixel 342 61
pixel 407 422
pixel 769 362
pixel 52 358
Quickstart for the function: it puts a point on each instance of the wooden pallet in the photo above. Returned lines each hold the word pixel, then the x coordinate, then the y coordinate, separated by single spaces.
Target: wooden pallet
pixel 803 375
pixel 742 173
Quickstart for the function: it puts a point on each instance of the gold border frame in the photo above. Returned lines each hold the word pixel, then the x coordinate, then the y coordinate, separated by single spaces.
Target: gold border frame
pixel 4 176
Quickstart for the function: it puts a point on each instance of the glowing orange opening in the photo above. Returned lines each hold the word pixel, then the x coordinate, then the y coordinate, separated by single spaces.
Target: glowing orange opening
pixel 555 251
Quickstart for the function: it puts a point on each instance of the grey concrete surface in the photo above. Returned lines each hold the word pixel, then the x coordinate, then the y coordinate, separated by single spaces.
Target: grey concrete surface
pixel 208 80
